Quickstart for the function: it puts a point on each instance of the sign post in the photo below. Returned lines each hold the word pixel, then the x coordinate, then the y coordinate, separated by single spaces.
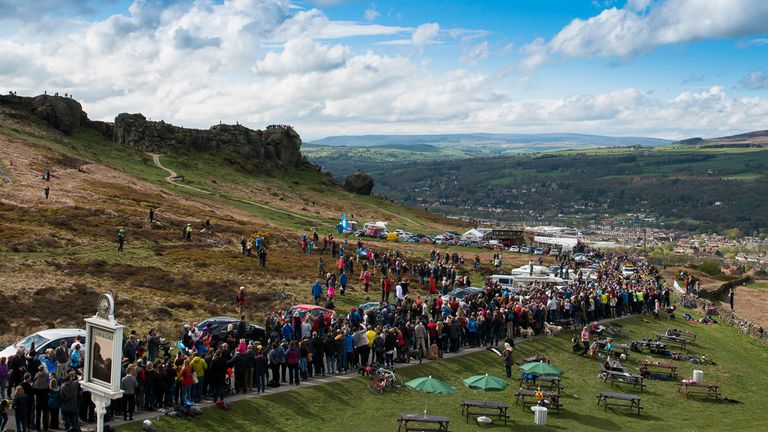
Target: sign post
pixel 101 375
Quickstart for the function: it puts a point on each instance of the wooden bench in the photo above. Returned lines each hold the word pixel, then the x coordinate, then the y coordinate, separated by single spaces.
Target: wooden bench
pixel 653 367
pixel 489 409
pixel 422 423
pixel 623 378
pixel 704 388
pixel 681 342
pixel 619 400
pixel 553 398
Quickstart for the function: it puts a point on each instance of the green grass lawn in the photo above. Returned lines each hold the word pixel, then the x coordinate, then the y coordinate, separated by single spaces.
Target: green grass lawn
pixel 741 373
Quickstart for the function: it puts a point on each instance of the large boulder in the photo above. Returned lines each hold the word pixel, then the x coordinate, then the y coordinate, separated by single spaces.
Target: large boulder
pixel 359 183
pixel 62 113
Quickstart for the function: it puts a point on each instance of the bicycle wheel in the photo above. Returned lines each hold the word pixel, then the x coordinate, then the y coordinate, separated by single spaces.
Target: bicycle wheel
pixel 376 386
pixel 396 383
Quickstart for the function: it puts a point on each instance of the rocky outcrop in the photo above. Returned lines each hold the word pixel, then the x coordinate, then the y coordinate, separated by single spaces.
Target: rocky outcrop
pixel 61 113
pixel 276 146
pixel 359 183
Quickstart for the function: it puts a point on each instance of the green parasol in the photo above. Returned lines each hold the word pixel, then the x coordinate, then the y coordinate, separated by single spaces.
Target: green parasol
pixel 430 385
pixel 485 382
pixel 541 368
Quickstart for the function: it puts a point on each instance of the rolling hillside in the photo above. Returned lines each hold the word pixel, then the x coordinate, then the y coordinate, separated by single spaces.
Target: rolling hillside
pixel 688 187
pixel 57 254
pixel 342 155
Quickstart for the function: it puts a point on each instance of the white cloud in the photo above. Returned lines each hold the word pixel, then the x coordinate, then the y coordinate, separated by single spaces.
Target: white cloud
pixel 303 55
pixel 476 53
pixel 643 25
pixel 755 80
pixel 371 13
pixel 314 24
pixel 260 62
pixel 753 42
pixel 425 34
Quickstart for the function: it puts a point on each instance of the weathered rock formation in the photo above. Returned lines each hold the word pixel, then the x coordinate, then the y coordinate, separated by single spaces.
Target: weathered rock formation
pixel 276 146
pixel 61 113
pixel 359 183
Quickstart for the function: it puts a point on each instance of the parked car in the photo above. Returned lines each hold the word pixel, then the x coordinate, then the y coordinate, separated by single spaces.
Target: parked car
pixel 45 339
pixel 373 305
pixel 514 249
pixel 376 232
pixel 554 252
pixel 220 324
pixel 538 251
pixel 414 240
pixel 461 292
pixel 524 249
pixel 425 240
pixel 359 233
pixel 304 309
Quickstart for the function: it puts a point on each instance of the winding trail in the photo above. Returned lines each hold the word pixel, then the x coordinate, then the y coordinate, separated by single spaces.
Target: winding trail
pixel 173 179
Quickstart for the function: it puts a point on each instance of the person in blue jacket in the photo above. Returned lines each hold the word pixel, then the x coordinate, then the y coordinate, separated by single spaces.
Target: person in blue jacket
pixel 317 291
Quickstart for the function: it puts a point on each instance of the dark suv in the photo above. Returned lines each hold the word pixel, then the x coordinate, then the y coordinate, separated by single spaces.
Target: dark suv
pixel 219 329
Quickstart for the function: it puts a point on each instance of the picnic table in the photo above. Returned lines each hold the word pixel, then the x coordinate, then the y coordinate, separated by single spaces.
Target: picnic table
pixel 422 423
pixel 620 400
pixel 685 334
pixel 490 409
pixel 550 396
pixel 649 367
pixel 623 378
pixel 547 382
pixel 681 342
pixel 707 389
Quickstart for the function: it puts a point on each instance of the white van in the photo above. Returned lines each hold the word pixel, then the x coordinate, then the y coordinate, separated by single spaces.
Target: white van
pixel 506 281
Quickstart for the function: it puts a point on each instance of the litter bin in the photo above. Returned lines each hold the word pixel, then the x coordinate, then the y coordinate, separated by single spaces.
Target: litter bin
pixel 539 415
pixel 698 375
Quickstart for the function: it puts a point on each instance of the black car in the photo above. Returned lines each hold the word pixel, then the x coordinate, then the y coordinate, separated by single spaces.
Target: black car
pixel 219 329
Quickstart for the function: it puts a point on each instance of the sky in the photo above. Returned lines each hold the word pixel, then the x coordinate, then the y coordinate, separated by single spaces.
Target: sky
pixel 660 68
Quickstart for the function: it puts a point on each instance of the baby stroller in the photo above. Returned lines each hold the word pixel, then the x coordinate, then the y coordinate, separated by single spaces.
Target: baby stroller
pixel 670 310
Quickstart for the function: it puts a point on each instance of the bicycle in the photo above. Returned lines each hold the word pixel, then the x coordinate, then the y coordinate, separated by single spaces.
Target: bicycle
pixel 616 332
pixel 384 380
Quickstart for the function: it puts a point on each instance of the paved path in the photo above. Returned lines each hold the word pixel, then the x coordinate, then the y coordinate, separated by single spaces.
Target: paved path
pixel 173 179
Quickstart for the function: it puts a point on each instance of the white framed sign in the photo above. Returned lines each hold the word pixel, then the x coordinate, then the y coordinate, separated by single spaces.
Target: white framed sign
pixel 101 373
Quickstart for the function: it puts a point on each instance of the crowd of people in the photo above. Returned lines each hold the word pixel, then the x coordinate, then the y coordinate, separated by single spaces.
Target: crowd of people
pixel 43 389
pixel 418 321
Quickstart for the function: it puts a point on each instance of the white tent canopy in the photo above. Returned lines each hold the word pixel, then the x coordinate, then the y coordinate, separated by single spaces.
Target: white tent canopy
pixel 473 235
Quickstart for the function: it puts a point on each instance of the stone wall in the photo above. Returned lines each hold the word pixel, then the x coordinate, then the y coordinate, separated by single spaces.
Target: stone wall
pixel 732 319
pixel 748 328
pixel 278 146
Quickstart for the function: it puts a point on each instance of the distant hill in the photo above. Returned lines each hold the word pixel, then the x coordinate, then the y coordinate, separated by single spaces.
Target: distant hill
pixel 749 139
pixel 487 139
pixel 343 155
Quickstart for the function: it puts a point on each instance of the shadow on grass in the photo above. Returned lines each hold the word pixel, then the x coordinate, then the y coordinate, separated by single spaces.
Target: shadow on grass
pixel 593 421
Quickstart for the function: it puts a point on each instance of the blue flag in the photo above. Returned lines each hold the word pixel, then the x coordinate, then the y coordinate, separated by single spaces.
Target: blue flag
pixel 344 222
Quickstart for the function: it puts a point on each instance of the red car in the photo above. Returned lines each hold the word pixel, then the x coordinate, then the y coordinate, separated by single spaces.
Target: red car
pixel 304 309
